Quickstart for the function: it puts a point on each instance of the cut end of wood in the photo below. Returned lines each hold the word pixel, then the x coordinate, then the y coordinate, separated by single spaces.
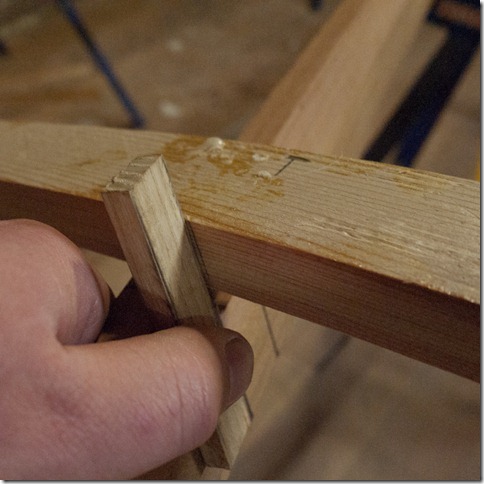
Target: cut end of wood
pixel 133 174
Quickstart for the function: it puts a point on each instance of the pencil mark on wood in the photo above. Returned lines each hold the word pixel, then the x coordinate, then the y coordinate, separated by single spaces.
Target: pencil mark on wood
pixel 289 162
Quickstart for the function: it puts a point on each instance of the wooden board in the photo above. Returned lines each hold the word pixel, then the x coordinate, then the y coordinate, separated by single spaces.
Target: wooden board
pixel 335 99
pixel 386 254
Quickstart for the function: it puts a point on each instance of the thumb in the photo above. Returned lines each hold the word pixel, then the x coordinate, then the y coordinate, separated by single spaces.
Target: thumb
pixel 143 401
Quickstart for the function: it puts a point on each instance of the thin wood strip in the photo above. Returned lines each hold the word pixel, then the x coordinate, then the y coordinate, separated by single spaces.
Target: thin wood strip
pixel 164 260
pixel 156 242
pixel 387 254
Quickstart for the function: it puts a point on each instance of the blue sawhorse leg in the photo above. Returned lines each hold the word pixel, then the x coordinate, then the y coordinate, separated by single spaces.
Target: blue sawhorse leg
pixel 413 121
pixel 101 61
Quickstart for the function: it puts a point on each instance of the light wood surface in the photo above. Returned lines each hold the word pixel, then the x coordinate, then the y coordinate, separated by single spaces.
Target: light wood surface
pixel 383 253
pixel 335 99
pixel 157 244
pixel 162 255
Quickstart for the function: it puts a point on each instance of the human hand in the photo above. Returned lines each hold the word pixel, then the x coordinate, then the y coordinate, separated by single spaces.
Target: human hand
pixel 70 409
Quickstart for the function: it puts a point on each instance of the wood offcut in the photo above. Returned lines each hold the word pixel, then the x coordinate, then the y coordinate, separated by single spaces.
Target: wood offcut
pixel 164 260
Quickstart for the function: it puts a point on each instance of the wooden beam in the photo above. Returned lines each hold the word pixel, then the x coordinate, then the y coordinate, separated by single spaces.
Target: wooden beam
pixel 386 254
pixel 342 89
pixel 334 100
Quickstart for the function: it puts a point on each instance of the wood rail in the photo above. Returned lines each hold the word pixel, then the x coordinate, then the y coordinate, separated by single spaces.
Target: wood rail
pixel 386 254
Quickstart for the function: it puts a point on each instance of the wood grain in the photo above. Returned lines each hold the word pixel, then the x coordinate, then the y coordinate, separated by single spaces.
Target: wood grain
pixel 335 98
pixel 389 255
pixel 164 260
pixel 157 244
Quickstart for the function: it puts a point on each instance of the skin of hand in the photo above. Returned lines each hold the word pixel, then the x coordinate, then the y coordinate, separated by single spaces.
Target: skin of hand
pixel 74 409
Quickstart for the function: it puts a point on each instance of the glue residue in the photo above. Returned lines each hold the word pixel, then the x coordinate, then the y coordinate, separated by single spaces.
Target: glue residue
pixel 213 144
pixel 259 157
pixel 264 174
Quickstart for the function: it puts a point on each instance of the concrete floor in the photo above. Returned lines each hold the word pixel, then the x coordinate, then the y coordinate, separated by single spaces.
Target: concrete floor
pixel 204 68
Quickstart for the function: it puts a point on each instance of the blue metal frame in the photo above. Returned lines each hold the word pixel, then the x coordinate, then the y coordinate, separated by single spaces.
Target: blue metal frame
pixel 413 121
pixel 101 61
